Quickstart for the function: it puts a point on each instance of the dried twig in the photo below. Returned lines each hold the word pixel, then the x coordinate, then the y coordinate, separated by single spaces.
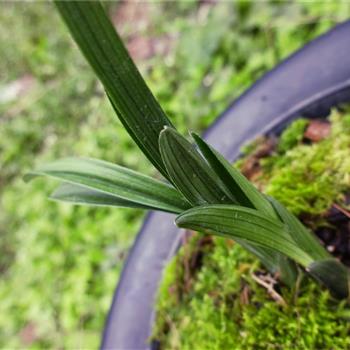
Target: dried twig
pixel 268 282
pixel 342 210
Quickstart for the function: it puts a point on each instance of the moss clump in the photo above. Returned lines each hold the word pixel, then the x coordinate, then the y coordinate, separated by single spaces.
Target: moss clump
pixel 220 306
pixel 206 312
pixel 311 322
pixel 226 309
pixel 308 178
pixel 292 136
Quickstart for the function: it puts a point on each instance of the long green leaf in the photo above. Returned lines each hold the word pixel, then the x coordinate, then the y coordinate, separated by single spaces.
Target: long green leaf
pixel 116 181
pixel 237 186
pixel 267 256
pixel 334 275
pixel 134 103
pixel 240 190
pixel 188 170
pixel 305 239
pixel 288 270
pixel 76 194
pixel 244 223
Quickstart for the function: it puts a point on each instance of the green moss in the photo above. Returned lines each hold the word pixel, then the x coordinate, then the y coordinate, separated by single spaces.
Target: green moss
pixel 312 322
pixel 204 312
pixel 213 315
pixel 292 135
pixel 309 178
pixel 222 306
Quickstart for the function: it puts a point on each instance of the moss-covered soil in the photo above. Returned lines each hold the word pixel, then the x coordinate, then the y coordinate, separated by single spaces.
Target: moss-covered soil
pixel 215 295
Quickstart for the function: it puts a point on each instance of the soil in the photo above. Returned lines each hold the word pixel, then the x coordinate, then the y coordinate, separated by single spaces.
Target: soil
pixel 336 236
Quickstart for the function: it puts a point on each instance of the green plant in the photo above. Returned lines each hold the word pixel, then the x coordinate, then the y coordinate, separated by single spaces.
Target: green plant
pixel 208 193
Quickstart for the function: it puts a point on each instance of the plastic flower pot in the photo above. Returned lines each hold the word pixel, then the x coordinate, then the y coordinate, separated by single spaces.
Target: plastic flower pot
pixel 308 84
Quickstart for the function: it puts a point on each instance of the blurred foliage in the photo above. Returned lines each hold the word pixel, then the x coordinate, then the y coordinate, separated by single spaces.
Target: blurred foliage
pixel 59 263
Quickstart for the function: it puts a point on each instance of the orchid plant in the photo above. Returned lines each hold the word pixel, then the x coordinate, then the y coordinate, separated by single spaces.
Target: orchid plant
pixel 200 186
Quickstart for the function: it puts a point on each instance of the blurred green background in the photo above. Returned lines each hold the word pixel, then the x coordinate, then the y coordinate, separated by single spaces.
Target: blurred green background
pixel 59 264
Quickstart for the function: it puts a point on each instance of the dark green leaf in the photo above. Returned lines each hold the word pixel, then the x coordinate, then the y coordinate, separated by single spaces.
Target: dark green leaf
pixel 305 239
pixel 267 256
pixel 333 274
pixel 188 170
pixel 236 185
pixel 244 223
pixel 116 181
pixel 288 270
pixel 240 190
pixel 134 103
pixel 75 194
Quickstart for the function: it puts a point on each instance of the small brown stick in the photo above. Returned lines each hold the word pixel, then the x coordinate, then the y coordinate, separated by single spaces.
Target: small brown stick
pixel 297 285
pixel 244 296
pixel 268 282
pixel 344 211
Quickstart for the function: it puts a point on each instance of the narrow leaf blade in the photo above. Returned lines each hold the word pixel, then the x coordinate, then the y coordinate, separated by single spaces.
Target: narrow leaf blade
pixel 243 223
pixel 241 191
pixel 288 270
pixel 134 103
pixel 301 235
pixel 267 256
pixel 237 186
pixel 188 171
pixel 334 275
pixel 116 181
pixel 76 194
